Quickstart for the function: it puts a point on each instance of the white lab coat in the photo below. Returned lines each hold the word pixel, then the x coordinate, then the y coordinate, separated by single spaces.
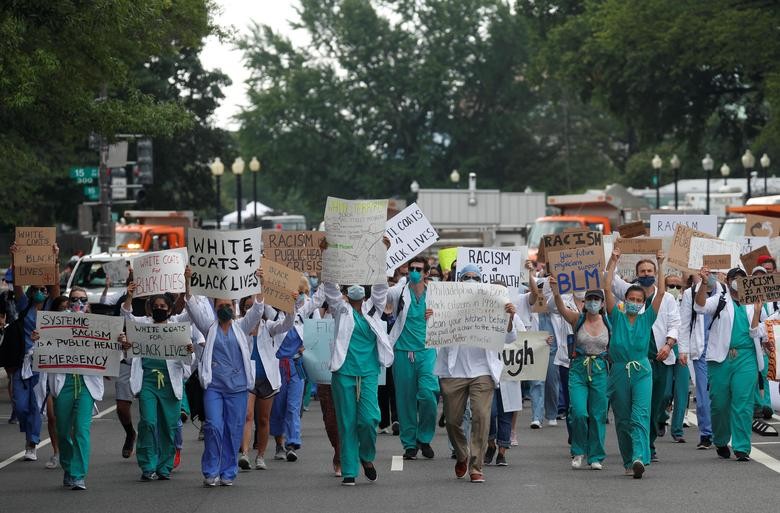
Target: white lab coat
pixel 720 334
pixel 511 393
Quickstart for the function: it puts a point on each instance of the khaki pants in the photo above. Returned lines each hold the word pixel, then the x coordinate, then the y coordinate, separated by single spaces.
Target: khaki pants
pixel 455 392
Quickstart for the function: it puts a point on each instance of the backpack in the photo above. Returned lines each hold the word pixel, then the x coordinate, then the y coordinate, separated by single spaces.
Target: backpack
pixel 718 310
pixel 571 339
pixel 12 348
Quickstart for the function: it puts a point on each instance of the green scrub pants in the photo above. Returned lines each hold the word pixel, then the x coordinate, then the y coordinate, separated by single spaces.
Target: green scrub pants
pixel 764 401
pixel 160 413
pixel 630 388
pixel 682 378
pixel 357 417
pixel 588 407
pixel 662 377
pixel 73 408
pixel 416 396
pixel 732 387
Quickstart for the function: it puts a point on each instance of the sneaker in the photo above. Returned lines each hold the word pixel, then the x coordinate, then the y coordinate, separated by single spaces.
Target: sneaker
pixel 348 481
pixel 396 428
pixel 638 469
pixel 210 482
pixel 686 424
pixel 67 480
pixel 489 453
pixel 336 470
pixel 654 457
pixel 384 431
pixel 561 416
pixel 442 420
pixel 290 455
pixel 576 461
pixel 742 456
pixel 280 453
pixel 536 425
pixel 426 450
pixel 53 462
pixel 78 484
pixel 552 422
pixel 705 443
pixel 501 460
pixel 31 454
pixel 260 463
pixel 370 471
pixel 678 439
pixel 477 477
pixel 225 482
pixel 628 472
pixel 767 412
pixel 163 477
pixel 177 459
pixel 661 430
pixel 410 454
pixel 149 476
pixel 243 462
pixel 596 465
pixel 460 469
pixel 724 452
pixel 127 448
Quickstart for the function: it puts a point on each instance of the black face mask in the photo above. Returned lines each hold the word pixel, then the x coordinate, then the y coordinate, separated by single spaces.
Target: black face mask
pixel 159 315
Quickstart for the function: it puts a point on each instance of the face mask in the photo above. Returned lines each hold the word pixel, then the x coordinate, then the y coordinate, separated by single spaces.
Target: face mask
pixel 712 281
pixel 435 278
pixel 159 315
pixel 225 313
pixel 78 307
pixel 39 297
pixel 675 293
pixel 633 308
pixel 734 285
pixel 356 292
pixel 646 281
pixel 593 306
pixel 415 276
pixel 313 281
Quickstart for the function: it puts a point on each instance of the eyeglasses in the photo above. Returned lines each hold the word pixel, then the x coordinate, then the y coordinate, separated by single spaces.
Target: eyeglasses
pixel 674 286
pixel 81 300
pixel 470 278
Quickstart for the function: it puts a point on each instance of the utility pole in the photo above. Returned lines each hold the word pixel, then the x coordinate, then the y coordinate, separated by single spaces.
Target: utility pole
pixel 105 226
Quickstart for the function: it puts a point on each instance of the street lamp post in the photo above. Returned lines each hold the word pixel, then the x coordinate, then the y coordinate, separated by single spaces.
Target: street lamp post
pixel 415 188
pixel 765 166
pixel 675 163
pixel 254 166
pixel 657 163
pixel 708 164
pixel 217 168
pixel 455 177
pixel 725 171
pixel 748 161
pixel 238 169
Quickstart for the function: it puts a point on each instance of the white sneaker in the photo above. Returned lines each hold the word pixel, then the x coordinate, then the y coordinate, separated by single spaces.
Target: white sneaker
pixel 31 454
pixel 576 461
pixel 552 422
pixel 536 425
pixel 281 454
pixel 211 482
pixel 53 462
pixel 243 462
pixel 596 465
pixel 260 463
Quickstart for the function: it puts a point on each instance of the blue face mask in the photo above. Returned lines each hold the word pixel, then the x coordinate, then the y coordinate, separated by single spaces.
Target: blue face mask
pixel 633 308
pixel 593 306
pixel 646 281
pixel 415 276
pixel 301 296
pixel 712 281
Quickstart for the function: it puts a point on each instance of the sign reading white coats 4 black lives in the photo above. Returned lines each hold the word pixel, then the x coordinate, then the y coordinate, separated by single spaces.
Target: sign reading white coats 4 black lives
pixel 224 263
pixel 496 265
pixel 409 232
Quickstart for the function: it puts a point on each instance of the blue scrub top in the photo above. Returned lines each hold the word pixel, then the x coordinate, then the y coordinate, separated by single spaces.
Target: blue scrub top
pixel 290 345
pixel 227 363
pixel 259 369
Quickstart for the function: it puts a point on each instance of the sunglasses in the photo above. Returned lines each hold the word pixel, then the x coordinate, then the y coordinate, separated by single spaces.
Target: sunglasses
pixel 418 269
pixel 81 300
pixel 674 286
pixel 470 278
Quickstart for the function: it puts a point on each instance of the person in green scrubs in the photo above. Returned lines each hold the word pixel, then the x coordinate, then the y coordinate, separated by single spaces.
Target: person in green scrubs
pixel 630 381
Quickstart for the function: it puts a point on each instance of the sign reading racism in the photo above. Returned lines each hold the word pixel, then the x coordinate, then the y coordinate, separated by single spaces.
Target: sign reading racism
pixel 299 250
pixel 503 265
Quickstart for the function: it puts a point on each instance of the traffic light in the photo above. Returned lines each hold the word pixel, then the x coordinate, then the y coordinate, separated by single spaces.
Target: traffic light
pixel 145 170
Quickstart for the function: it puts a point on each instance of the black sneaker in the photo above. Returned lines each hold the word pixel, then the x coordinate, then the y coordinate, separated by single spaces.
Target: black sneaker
pixel 741 456
pixel 705 443
pixel 163 477
pixel 149 476
pixel 442 420
pixel 638 469
pixel 370 471
pixel 410 454
pixel 724 452
pixel 396 428
pixel 767 412
pixel 291 456
pixel 661 430
pixel 501 460
pixel 426 450
pixel 348 481
pixel 678 439
pixel 491 451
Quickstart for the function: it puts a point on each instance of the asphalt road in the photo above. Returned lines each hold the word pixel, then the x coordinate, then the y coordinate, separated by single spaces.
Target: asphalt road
pixel 538 478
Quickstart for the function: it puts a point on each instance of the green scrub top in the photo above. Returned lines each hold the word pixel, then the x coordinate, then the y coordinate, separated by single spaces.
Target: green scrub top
pixel 362 355
pixel 740 330
pixel 412 337
pixel 629 342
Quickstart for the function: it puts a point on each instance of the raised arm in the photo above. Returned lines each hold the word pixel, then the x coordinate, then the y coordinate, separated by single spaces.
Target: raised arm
pixel 379 296
pixel 661 284
pixel 609 275
pixel 570 316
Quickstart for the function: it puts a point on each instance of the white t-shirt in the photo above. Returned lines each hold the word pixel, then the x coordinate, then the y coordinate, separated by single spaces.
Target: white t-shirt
pixel 470 363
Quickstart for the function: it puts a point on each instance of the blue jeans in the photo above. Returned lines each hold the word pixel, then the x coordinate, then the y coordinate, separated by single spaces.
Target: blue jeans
pixel 500 422
pixel 553 380
pixel 536 391
pixel 702 397
pixel 286 411
pixel 26 406
pixel 222 432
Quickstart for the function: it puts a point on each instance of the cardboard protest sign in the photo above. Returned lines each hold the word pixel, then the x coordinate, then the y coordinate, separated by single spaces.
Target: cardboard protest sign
pixel 159 272
pixel 410 233
pixel 761 226
pixel 318 337
pixel 701 246
pixel 299 250
pixel 750 260
pixel 751 243
pixel 164 341
pixel 279 284
pixel 717 262
pixel 774 246
pixel 577 269
pixel 496 264
pixel 663 225
pixel 631 230
pixel 773 334
pixel 466 313
pixel 527 357
pixel 540 305
pixel 446 257
pixel 356 253
pixel 76 343
pixel 642 246
pixel 34 261
pixel 761 287
pixel 224 263
pixel 117 271
pixel 679 252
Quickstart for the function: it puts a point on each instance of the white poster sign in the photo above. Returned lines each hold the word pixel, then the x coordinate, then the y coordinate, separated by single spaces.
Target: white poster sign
pixel 164 341
pixel 117 271
pixel 749 244
pixel 159 272
pixel 410 233
pixel 224 263
pixel 663 225
pixel 497 264
pixel 701 247
pixel 526 358
pixel 318 337
pixel 356 253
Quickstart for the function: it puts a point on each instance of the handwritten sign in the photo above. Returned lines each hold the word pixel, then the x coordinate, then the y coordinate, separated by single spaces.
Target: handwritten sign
pixel 761 226
pixel 318 337
pixel 641 246
pixel 224 263
pixel 568 240
pixel 446 257
pixel 466 313
pixel 117 271
pixel 164 341
pixel 773 334
pixel 664 225
pixel 159 272
pixel 680 250
pixel 701 246
pixel 73 343
pixel 299 250
pixel 279 284
pixel 761 287
pixel 750 260
pixel 410 233
pixel 631 230
pixel 496 264
pixel 577 269
pixel 526 358
pixel 356 253
pixel 34 260
pixel 751 243
pixel 717 262
pixel 540 305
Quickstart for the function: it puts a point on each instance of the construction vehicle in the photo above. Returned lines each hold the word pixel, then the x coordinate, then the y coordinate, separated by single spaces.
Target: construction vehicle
pixel 153 230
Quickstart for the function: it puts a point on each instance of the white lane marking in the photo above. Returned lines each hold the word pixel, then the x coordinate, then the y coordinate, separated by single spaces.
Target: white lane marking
pixel 43 443
pixel 764 443
pixel 398 464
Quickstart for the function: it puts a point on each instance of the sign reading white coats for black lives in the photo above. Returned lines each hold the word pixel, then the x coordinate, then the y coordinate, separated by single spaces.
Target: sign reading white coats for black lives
pixel 163 341
pixel 526 358
pixel 663 225
pixel 159 272
pixel 76 343
pixel 466 313
pixel 224 263
pixel 409 232
pixel 496 264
